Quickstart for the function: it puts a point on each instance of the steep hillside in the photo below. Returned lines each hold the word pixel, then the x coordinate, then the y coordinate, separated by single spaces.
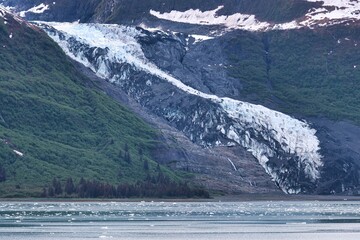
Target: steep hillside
pixel 55 124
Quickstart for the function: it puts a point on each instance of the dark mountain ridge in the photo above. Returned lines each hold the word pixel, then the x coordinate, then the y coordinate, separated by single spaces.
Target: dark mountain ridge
pixel 137 11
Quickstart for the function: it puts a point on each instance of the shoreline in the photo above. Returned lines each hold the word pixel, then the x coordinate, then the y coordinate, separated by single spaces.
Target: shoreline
pixel 225 198
pixel 284 197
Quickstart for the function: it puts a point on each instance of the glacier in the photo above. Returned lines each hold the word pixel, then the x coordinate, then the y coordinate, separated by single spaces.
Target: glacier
pixel 263 132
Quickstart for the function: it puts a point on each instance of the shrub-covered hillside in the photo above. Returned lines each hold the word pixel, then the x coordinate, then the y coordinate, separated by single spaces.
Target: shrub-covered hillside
pixel 52 125
pixel 305 72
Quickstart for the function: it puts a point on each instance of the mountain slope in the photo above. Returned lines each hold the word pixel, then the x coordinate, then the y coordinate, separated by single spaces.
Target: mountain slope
pixel 225 120
pixel 205 68
pixel 55 123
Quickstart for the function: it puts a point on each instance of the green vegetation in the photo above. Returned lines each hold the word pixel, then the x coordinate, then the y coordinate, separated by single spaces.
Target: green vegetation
pixel 305 72
pixel 158 186
pixel 52 124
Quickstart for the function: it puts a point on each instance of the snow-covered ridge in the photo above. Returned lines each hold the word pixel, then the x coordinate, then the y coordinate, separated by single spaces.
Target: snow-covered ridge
pixel 339 3
pixel 195 16
pixel 272 129
pixel 197 37
pixel 339 11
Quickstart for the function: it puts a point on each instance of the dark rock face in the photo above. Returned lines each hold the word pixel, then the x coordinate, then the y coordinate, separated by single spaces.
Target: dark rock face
pixel 201 66
pixel 341 146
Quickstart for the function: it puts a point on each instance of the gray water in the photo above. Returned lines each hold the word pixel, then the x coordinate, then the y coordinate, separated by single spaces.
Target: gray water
pixel 179 221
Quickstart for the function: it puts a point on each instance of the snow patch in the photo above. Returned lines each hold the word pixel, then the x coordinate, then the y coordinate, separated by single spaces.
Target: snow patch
pixel 37 9
pixel 286 26
pixel 5 9
pixel 200 38
pixel 340 11
pixel 18 153
pixel 196 16
pixel 151 29
pixel 232 164
pixel 9 10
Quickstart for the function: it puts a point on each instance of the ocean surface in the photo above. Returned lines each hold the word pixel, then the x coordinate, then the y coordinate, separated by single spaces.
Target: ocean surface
pixel 180 220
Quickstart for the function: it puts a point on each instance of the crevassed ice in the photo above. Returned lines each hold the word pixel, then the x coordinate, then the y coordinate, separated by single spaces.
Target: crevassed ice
pixel 294 136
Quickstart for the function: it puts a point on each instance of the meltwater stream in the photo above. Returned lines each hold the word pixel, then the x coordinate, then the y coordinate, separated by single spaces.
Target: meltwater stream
pixel 180 220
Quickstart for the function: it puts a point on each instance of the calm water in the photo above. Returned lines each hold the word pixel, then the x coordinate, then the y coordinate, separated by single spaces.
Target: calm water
pixel 175 221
